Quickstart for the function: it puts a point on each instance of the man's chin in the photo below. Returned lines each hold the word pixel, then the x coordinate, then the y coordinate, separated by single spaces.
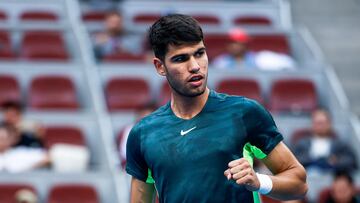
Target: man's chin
pixel 196 93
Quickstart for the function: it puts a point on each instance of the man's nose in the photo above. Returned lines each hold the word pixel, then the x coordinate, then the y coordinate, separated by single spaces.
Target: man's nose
pixel 194 65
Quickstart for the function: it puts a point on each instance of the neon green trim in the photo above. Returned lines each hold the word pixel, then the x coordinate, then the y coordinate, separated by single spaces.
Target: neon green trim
pixel 256 197
pixel 249 152
pixel 256 152
pixel 150 179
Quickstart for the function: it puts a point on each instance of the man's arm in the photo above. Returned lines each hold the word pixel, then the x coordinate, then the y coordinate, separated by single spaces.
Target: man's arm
pixel 289 179
pixel 141 192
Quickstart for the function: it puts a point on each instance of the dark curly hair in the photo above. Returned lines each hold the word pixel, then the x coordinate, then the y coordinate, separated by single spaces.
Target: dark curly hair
pixel 173 29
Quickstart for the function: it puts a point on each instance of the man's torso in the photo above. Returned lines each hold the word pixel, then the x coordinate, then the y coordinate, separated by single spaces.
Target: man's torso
pixel 188 158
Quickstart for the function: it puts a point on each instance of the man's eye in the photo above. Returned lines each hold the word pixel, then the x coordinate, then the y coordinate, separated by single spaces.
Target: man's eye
pixel 199 53
pixel 180 59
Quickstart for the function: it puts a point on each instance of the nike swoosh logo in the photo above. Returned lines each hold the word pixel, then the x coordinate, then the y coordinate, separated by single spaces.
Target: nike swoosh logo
pixel 182 133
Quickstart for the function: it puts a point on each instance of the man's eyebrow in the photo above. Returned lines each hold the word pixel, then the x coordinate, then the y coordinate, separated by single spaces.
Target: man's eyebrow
pixel 187 54
pixel 179 55
pixel 200 49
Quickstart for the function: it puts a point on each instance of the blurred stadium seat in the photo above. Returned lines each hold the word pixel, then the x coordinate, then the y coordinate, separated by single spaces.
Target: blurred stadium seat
pixel 146 18
pixel 149 18
pixel 43 45
pixel 252 20
pixel 124 57
pixel 9 89
pixel 3 15
pixel 73 193
pixel 8 191
pixel 324 195
pixel 52 92
pixel 293 95
pixel 217 43
pixel 127 93
pixel 273 42
pixel 6 51
pixel 243 87
pixel 94 16
pixel 40 15
pixel 207 19
pixel 63 134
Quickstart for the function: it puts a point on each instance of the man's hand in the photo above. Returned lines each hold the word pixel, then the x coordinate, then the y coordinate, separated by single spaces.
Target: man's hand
pixel 242 172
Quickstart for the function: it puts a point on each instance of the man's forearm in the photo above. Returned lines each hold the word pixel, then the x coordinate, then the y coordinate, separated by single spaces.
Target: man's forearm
pixel 290 184
pixel 289 181
pixel 141 192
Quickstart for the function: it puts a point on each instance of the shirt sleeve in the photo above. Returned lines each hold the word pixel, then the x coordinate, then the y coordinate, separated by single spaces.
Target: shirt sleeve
pixel 135 162
pixel 261 128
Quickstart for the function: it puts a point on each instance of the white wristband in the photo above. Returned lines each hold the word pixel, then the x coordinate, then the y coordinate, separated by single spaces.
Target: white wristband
pixel 266 183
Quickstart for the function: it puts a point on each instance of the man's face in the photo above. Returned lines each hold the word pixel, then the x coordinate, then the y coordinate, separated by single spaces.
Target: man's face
pixel 321 123
pixel 342 190
pixel 237 49
pixel 12 116
pixel 186 68
pixel 114 24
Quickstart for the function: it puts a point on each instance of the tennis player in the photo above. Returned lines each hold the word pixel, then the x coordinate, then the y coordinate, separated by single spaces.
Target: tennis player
pixel 199 147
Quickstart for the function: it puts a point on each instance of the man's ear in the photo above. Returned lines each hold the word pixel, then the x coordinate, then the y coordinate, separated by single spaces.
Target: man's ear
pixel 160 67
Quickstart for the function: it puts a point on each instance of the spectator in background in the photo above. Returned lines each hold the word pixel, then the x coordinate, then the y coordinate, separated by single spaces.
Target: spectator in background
pixel 122 138
pixel 342 190
pixel 239 56
pixel 29 133
pixel 18 159
pixel 26 196
pixel 116 38
pixel 322 149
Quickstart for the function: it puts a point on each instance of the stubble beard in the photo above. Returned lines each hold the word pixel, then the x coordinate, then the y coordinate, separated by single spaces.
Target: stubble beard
pixel 184 91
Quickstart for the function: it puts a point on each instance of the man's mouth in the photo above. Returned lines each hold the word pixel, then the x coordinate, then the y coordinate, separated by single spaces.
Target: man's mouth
pixel 195 78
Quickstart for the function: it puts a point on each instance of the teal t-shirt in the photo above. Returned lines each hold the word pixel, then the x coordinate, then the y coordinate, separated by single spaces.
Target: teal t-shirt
pixel 187 158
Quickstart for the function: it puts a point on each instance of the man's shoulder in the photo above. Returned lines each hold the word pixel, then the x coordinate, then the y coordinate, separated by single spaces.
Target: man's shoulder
pixel 153 117
pixel 227 100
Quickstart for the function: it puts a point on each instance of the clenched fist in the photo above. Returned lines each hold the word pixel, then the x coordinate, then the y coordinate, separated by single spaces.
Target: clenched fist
pixel 242 172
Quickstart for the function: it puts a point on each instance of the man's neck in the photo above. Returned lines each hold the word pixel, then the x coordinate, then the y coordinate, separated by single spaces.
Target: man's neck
pixel 188 107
